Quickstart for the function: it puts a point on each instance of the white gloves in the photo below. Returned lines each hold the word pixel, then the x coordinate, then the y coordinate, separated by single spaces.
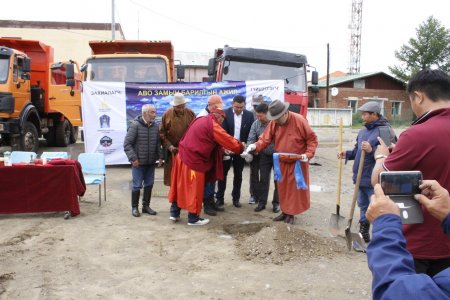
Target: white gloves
pixel 250 148
pixel 247 156
pixel 303 157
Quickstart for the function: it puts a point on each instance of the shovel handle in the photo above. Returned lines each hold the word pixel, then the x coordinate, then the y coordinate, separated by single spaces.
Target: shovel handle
pixel 338 200
pixel 358 181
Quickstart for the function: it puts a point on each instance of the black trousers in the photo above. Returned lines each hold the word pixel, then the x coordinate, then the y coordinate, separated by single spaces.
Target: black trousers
pixel 262 165
pixel 238 166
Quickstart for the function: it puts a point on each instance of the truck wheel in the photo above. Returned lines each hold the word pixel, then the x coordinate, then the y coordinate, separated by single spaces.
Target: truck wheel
pixel 51 137
pixel 62 134
pixel 74 134
pixel 29 140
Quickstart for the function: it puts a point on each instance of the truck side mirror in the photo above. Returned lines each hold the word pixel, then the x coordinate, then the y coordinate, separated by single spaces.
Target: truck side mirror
pixel 180 72
pixel 26 65
pixel 70 72
pixel 314 77
pixel 211 67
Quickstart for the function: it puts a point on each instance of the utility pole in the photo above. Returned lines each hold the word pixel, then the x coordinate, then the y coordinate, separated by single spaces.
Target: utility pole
pixel 113 22
pixel 327 94
pixel 355 37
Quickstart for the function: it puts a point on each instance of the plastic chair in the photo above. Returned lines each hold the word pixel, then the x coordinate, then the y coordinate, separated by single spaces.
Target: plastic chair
pixel 94 171
pixel 22 157
pixel 52 155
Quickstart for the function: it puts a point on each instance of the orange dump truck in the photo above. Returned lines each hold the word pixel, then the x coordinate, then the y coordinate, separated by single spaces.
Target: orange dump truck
pixel 38 97
pixel 131 61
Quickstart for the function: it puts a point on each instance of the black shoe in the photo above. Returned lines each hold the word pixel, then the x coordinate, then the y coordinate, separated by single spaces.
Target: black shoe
pixel 276 208
pixel 135 212
pixel 217 207
pixel 209 211
pixel 280 217
pixel 260 208
pixel 219 202
pixel 237 204
pixel 147 210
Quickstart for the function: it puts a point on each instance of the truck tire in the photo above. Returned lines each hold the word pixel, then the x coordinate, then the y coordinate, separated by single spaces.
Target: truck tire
pixel 29 140
pixel 51 137
pixel 62 133
pixel 73 134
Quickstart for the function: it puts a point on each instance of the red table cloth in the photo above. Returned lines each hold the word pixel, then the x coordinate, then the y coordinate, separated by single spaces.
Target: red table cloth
pixel 41 188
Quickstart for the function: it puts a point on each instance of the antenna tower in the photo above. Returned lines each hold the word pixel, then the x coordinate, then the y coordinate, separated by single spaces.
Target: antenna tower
pixel 355 37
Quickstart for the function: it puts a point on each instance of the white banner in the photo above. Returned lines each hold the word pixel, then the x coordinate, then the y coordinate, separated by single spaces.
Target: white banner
pixel 104 120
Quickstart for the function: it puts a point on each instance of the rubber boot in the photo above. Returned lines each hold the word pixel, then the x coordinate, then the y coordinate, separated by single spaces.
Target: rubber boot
pixel 135 203
pixel 207 207
pixel 146 201
pixel 364 230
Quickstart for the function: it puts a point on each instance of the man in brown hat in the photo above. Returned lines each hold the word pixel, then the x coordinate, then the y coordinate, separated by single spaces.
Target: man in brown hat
pixel 295 141
pixel 174 123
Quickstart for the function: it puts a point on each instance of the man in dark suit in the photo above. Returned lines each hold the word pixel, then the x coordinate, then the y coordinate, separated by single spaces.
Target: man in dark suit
pixel 237 123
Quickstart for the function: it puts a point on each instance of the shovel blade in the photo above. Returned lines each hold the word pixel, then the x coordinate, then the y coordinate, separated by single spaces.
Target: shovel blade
pixel 335 225
pixel 355 241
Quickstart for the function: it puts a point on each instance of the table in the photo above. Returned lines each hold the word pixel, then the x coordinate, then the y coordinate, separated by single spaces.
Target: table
pixel 41 188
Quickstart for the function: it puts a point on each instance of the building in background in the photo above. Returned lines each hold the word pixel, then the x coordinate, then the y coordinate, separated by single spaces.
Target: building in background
pixel 195 64
pixel 352 91
pixel 69 39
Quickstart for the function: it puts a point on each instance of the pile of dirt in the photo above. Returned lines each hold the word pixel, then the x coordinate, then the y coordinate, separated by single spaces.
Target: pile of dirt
pixel 281 243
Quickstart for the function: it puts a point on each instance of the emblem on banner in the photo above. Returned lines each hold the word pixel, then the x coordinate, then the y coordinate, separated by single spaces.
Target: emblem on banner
pixel 104 121
pixel 106 141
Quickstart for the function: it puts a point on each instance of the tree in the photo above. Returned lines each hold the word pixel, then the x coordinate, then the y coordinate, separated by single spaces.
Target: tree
pixel 430 49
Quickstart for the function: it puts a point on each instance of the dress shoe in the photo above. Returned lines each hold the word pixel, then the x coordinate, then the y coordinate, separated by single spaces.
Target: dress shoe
pixel 209 210
pixel 276 208
pixel 237 204
pixel 216 207
pixel 279 218
pixel 147 210
pixel 260 208
pixel 289 219
pixel 219 202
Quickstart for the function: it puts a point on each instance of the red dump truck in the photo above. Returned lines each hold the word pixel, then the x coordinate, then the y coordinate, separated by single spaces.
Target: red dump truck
pixel 240 64
pixel 131 61
pixel 38 97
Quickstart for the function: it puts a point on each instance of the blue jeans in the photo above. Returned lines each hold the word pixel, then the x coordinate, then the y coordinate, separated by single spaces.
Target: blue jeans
pixel 364 194
pixel 210 186
pixel 144 174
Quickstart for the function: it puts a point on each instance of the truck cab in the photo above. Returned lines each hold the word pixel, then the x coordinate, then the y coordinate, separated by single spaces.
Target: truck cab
pixel 38 97
pixel 241 64
pixel 131 61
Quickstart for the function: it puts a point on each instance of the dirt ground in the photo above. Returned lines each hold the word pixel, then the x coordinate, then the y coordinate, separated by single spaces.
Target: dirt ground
pixel 107 253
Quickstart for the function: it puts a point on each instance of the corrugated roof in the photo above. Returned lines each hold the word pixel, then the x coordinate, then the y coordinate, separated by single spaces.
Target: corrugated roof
pixel 346 78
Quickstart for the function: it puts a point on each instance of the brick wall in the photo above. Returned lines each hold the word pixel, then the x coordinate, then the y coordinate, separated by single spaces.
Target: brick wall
pixel 341 100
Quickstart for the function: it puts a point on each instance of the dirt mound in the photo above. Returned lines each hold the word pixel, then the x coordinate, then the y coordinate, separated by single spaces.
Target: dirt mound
pixel 281 243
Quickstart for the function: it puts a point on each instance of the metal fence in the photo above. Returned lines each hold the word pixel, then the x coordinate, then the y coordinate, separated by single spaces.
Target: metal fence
pixel 329 117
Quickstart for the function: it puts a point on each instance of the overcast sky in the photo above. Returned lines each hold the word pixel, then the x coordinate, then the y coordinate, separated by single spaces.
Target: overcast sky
pixel 298 26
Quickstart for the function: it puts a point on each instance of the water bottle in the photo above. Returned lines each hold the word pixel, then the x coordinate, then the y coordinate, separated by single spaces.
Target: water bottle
pixel 7 156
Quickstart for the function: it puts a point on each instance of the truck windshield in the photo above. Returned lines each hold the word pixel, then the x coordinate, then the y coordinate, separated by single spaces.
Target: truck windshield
pixel 4 66
pixel 294 78
pixel 127 70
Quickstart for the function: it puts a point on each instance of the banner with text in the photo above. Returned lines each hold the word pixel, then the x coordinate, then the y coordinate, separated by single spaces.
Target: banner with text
pixel 109 107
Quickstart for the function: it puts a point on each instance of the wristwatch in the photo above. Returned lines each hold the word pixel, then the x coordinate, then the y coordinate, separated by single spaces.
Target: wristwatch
pixel 380 156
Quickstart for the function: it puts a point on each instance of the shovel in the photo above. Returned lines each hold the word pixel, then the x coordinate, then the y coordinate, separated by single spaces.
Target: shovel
pixel 355 239
pixel 336 220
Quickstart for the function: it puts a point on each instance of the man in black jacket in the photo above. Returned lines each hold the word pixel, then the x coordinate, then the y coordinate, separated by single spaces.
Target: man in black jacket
pixel 142 146
pixel 237 123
